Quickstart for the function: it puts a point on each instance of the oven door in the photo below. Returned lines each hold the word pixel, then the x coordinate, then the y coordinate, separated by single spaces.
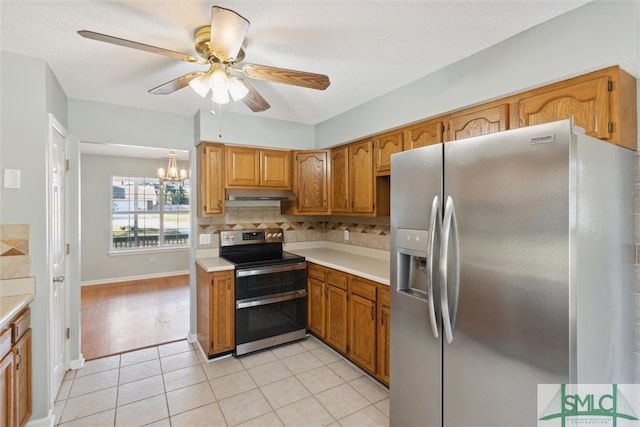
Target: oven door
pixel 271 306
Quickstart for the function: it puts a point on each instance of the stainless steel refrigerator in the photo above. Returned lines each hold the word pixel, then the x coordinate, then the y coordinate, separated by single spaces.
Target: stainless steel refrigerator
pixel 512 260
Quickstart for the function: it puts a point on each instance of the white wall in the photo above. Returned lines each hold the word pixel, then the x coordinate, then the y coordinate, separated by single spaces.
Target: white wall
pixel 254 130
pixel 29 92
pixel 96 263
pixel 597 35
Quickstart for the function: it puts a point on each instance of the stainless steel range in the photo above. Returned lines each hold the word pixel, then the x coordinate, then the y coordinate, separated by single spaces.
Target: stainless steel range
pixel 270 289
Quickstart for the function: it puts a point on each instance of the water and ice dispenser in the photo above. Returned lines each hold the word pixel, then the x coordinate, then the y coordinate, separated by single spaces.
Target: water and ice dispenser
pixel 413 258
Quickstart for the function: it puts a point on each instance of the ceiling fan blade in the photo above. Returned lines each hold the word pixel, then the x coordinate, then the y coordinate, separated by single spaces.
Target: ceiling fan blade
pixel 140 46
pixel 175 84
pixel 228 30
pixel 283 75
pixel 253 99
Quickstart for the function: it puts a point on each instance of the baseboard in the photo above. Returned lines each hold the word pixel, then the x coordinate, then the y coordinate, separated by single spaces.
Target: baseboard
pixel 42 422
pixel 192 338
pixel 77 363
pixel 139 277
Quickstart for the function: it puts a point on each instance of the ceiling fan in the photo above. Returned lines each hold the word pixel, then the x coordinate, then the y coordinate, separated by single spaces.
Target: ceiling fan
pixel 221 47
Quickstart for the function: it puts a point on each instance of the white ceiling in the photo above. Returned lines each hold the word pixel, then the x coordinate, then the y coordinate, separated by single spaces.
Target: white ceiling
pixel 367 48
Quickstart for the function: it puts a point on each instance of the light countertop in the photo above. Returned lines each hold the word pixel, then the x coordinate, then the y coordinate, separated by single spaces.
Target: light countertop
pixel 374 268
pixel 214 263
pixel 15 294
pixel 371 264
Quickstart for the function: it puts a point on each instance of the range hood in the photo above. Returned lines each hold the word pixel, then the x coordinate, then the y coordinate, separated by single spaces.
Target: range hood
pixel 259 194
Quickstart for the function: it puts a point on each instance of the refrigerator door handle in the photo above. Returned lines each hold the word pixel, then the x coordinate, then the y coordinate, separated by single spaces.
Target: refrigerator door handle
pixel 449 280
pixel 434 242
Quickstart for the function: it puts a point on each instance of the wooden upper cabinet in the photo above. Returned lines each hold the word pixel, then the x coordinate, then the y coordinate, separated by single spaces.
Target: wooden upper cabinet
pixel 423 134
pixel 361 179
pixel 586 102
pixel 310 181
pixel 384 146
pixel 478 122
pixel 211 174
pixel 242 166
pixel 275 168
pixel 339 182
pixel 251 167
pixel 602 102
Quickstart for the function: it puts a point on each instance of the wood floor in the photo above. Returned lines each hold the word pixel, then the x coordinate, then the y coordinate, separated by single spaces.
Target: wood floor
pixel 124 316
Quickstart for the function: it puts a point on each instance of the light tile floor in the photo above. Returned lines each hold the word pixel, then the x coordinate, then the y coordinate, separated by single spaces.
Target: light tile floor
pixel 300 384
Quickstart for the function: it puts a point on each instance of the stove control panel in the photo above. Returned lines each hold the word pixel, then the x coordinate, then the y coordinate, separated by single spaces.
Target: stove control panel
pixel 248 237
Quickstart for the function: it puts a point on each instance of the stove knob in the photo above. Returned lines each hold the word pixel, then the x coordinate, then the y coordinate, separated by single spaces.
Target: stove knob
pixel 269 235
pixel 279 234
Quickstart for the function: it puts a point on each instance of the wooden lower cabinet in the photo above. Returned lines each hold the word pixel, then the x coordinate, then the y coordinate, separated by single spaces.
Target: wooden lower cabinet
pixel 216 311
pixel 336 331
pixel 15 372
pixel 22 377
pixel 383 334
pixel 362 324
pixel 343 312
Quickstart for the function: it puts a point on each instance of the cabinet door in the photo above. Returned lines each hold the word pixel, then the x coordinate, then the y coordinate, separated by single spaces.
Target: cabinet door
pixel 424 134
pixel 336 309
pixel 223 313
pixel 587 103
pixel 339 180
pixel 311 182
pixel 275 169
pixel 362 324
pixel 242 166
pixel 211 167
pixel 22 376
pixel 316 306
pixel 384 146
pixel 481 122
pixel 361 180
pixel 6 390
pixel 383 330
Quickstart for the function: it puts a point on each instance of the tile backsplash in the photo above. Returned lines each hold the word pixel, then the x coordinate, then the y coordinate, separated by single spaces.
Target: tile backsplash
pixel 366 232
pixel 15 261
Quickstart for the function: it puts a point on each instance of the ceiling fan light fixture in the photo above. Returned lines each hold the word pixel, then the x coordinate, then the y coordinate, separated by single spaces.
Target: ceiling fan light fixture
pixel 200 85
pixel 228 30
pixel 237 89
pixel 219 79
pixel 220 95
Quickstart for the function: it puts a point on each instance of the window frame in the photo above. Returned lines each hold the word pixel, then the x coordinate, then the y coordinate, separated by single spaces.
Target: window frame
pixel 161 212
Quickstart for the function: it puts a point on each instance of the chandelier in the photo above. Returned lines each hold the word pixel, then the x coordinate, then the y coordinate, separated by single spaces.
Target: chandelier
pixel 172 173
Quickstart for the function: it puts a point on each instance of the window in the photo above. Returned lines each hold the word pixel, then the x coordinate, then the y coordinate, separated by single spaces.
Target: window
pixel 149 213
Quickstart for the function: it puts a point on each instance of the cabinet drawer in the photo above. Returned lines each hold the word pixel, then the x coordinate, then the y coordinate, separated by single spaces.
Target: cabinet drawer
pixel 316 271
pixel 384 296
pixel 20 325
pixel 5 342
pixel 337 278
pixel 364 289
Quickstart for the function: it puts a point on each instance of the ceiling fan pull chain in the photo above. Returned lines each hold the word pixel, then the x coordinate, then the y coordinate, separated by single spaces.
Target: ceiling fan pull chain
pixel 220 115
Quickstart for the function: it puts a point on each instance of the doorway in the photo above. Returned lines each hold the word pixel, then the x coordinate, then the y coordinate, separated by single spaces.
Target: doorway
pixel 135 249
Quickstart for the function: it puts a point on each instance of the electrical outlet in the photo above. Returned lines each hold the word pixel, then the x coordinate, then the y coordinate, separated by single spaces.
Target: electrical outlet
pixel 346 234
pixel 205 239
pixel 152 260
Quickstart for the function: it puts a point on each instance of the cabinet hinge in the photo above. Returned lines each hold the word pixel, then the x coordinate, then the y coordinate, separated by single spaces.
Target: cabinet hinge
pixel 66 165
pixel 610 86
pixel 67 248
pixel 610 127
pixel 67 333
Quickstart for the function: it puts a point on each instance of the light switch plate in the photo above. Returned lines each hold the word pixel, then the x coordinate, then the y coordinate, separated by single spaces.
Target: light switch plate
pixel 205 239
pixel 12 178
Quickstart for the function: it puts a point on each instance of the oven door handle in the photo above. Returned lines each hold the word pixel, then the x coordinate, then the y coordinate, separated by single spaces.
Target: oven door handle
pixel 285 296
pixel 272 269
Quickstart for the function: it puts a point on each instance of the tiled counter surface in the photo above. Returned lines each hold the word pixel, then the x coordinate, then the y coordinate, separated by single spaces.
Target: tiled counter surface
pixel 370 264
pixel 15 294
